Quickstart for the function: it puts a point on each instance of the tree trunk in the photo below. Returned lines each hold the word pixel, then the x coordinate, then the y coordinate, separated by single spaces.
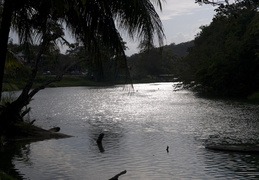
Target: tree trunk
pixel 13 111
pixel 4 34
pixel 27 94
pixel 24 97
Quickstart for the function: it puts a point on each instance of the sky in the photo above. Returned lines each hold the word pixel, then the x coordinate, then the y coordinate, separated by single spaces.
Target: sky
pixel 181 20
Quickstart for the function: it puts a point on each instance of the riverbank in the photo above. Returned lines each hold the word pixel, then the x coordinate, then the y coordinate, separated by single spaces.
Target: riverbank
pixel 68 81
pixel 24 131
pixel 83 80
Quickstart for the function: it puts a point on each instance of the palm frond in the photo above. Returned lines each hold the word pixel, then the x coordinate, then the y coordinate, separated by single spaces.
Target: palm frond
pixel 159 3
pixel 140 20
pixel 12 60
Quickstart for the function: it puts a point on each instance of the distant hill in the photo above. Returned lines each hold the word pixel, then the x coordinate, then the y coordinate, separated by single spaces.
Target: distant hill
pixel 180 49
pixel 154 64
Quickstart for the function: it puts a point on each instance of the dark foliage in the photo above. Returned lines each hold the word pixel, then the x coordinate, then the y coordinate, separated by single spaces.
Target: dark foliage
pixel 224 59
pixel 159 64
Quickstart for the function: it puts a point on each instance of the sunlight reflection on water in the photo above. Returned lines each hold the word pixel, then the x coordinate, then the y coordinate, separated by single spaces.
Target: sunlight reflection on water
pixel 138 127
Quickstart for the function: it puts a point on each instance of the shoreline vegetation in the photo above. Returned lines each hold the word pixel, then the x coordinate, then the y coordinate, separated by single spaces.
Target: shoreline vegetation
pixel 83 80
pixel 67 81
pixel 70 81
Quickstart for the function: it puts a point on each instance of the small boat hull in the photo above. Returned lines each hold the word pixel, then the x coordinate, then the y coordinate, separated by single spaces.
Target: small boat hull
pixel 237 148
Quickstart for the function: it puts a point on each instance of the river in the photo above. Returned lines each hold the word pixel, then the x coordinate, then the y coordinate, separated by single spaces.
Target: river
pixel 137 127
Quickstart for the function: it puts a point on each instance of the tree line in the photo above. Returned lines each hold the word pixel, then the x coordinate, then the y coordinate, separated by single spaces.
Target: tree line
pixel 224 59
pixel 221 60
pixel 159 64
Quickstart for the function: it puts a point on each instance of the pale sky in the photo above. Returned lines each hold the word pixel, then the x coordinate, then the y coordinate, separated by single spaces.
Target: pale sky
pixel 181 20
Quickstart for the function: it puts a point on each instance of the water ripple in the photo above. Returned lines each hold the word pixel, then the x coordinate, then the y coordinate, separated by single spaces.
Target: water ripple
pixel 138 128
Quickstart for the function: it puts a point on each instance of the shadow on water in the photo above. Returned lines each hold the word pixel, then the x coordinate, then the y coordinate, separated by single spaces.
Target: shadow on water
pixel 11 151
pixel 237 165
pixel 227 99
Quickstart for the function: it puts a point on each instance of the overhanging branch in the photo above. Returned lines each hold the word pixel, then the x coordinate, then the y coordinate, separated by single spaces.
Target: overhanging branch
pixel 56 78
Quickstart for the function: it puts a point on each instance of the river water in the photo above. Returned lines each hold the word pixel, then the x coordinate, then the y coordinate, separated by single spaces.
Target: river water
pixel 138 126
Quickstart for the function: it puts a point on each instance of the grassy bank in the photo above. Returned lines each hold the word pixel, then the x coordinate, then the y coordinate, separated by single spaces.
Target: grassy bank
pixel 4 176
pixel 254 97
pixel 67 81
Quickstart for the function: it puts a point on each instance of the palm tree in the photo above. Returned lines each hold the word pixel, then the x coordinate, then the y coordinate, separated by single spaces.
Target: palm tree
pixel 94 23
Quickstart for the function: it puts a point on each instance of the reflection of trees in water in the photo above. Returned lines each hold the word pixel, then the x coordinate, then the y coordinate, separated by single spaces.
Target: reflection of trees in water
pixel 11 151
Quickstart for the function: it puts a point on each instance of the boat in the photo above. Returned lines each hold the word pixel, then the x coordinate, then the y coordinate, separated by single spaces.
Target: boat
pixel 236 148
